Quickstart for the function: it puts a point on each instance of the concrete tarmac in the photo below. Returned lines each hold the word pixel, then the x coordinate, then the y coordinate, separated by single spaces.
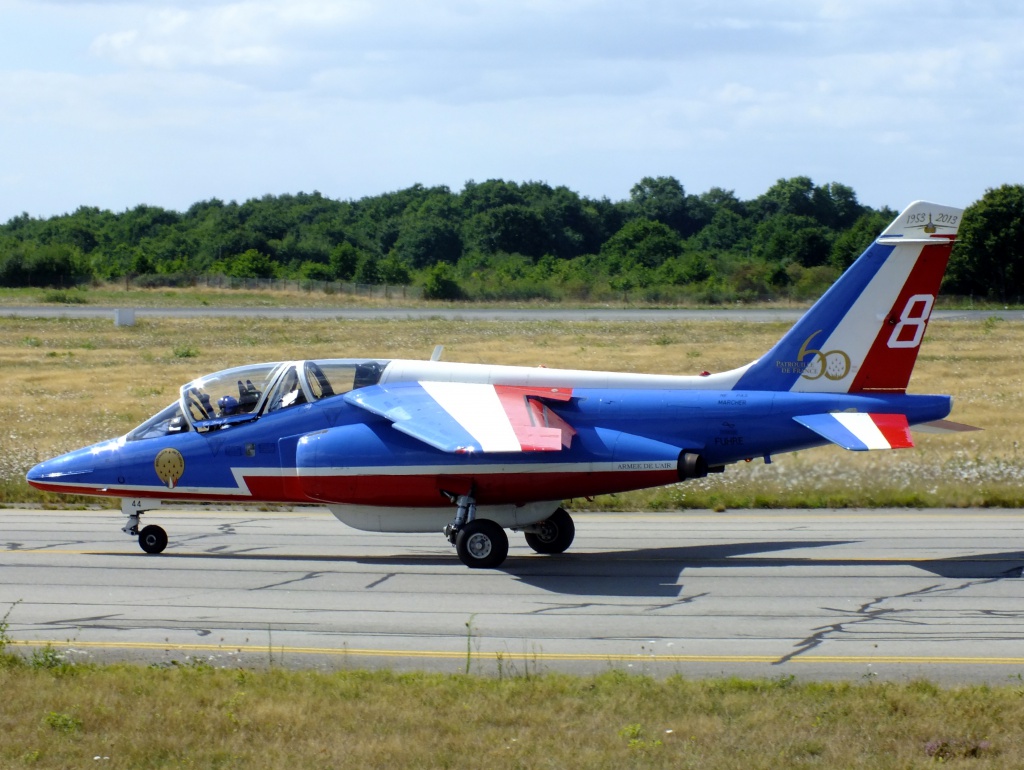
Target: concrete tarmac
pixel 887 594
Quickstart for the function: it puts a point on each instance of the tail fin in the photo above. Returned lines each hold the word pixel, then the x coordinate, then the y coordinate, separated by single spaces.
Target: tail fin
pixel 865 331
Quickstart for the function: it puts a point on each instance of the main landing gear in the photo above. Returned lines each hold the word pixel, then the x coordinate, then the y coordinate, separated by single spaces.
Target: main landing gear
pixel 483 544
pixel 480 543
pixel 553 535
pixel 152 539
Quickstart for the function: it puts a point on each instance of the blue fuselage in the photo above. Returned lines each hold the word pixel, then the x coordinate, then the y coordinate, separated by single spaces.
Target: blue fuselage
pixel 330 451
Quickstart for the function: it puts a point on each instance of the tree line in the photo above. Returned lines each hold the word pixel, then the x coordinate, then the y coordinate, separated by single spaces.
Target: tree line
pixel 513 241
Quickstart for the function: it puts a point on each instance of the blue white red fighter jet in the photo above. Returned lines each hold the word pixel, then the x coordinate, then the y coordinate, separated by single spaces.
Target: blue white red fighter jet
pixel 472 450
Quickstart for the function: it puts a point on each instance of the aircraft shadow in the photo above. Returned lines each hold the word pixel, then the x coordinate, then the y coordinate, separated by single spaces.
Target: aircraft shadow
pixel 650 572
pixel 658 571
pixel 990 566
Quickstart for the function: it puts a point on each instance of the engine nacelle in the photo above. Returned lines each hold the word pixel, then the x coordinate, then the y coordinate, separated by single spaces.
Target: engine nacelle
pixel 331 463
pixel 692 466
pixel 374 465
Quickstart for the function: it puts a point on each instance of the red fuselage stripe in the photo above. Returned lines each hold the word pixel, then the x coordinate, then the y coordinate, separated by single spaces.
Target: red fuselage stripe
pixel 402 491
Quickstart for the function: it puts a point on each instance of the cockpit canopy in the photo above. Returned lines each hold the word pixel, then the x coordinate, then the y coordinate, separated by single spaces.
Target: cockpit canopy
pixel 245 393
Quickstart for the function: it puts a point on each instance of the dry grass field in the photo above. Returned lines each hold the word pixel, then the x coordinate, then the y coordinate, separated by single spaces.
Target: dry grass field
pixel 68 383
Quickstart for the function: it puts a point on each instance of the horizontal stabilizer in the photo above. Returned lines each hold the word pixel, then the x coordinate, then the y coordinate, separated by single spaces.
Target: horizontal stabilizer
pixel 471 417
pixel 859 432
pixel 944 426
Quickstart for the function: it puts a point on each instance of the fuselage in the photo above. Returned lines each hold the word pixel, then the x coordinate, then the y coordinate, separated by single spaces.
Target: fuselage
pixel 629 432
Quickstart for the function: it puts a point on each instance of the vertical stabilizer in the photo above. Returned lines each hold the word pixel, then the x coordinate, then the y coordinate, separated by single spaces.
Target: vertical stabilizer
pixel 865 331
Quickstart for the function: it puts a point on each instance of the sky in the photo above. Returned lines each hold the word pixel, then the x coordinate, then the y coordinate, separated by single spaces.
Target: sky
pixel 116 103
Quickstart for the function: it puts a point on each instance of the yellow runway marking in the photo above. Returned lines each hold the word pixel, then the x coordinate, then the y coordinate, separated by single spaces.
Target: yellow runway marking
pixel 539 656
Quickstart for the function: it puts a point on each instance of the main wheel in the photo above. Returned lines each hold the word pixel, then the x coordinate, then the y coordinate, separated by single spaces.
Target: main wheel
pixel 152 539
pixel 481 544
pixel 554 534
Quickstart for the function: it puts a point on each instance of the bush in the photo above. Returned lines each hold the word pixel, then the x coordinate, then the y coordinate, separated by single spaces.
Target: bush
pixel 441 284
pixel 65 297
pixel 49 265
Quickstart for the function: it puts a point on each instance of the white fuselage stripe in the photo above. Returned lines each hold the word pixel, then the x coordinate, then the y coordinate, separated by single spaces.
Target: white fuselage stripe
pixel 622 466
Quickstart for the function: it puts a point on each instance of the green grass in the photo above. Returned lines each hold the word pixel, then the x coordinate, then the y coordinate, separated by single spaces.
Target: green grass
pixel 66 297
pixel 115 295
pixel 197 716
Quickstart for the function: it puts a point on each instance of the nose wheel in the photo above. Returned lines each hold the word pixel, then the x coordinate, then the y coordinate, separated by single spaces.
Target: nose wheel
pixel 153 539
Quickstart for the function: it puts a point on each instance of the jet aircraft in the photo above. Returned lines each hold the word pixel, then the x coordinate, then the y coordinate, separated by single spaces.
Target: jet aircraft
pixel 472 450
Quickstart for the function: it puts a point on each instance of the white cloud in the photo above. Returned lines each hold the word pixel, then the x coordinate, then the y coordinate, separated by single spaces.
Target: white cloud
pixel 188 40
pixel 114 103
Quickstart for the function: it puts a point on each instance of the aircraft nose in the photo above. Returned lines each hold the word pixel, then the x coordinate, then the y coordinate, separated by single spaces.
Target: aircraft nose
pixel 60 470
pixel 38 472
pixel 83 467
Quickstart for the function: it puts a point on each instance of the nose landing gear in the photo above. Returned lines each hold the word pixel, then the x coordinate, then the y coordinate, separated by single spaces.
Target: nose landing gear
pixel 152 539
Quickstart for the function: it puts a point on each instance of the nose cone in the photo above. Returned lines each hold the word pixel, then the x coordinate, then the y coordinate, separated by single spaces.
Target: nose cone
pixel 38 473
pixel 84 471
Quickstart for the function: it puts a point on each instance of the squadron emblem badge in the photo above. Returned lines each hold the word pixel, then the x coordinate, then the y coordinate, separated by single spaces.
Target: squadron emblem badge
pixel 170 466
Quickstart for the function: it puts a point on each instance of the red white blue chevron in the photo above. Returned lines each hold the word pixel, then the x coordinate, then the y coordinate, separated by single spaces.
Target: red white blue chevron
pixel 471 417
pixel 859 432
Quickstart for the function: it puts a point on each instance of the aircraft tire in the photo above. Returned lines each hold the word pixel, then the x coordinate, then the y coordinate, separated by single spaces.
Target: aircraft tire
pixel 481 544
pixel 153 539
pixel 554 535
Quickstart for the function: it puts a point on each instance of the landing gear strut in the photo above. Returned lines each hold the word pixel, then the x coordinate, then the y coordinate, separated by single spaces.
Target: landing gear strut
pixel 152 539
pixel 480 543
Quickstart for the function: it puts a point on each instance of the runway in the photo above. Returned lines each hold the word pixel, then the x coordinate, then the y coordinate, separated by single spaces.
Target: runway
pixel 888 594
pixel 470 312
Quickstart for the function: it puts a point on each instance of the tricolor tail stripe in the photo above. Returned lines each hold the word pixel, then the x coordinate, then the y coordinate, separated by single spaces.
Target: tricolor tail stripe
pixel 891 357
pixel 865 331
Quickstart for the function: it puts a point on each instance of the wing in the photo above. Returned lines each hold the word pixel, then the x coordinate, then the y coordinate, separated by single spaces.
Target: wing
pixel 859 431
pixel 471 417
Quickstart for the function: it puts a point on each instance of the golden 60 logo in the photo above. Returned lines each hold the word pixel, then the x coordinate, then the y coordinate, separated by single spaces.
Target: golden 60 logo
pixel 830 364
pixel 907 332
